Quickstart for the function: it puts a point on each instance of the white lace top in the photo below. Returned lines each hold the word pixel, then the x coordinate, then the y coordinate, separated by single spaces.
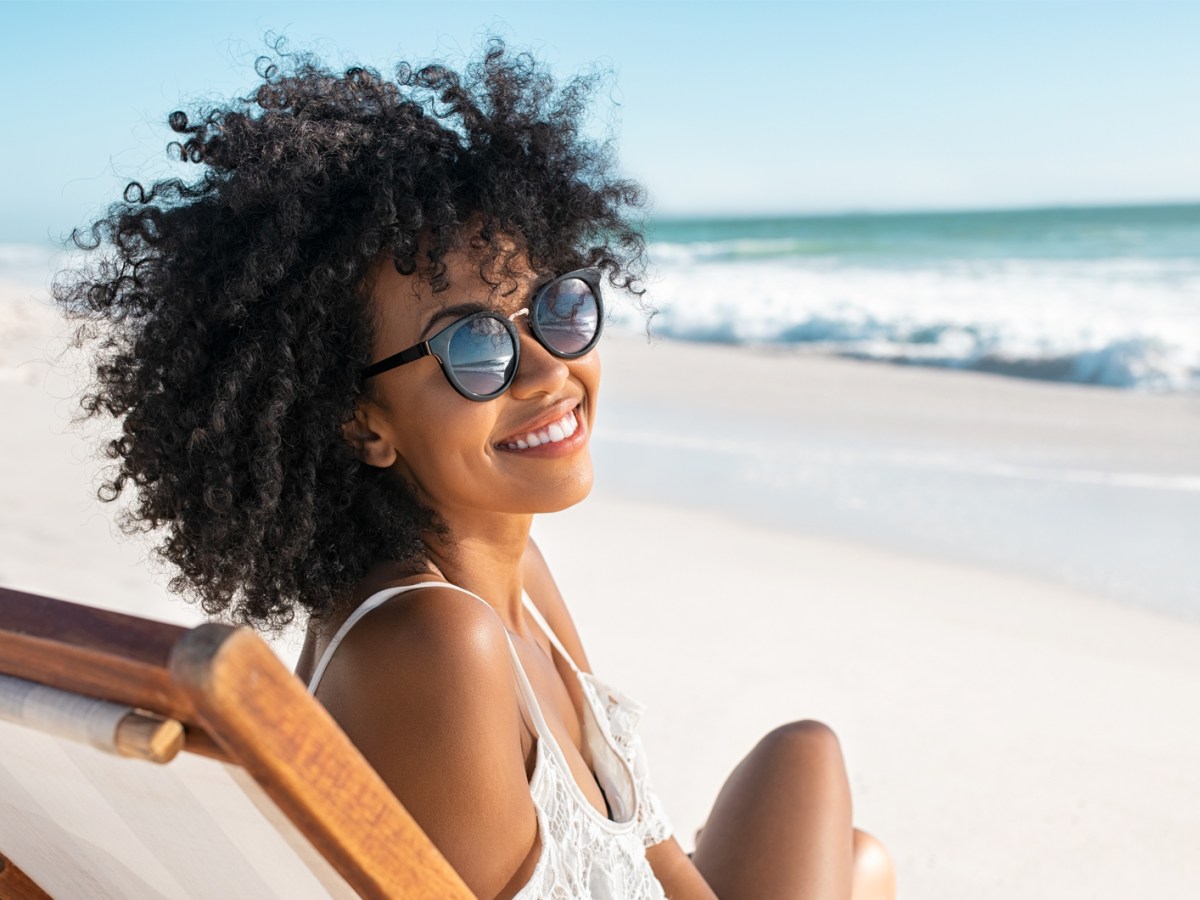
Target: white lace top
pixel 583 854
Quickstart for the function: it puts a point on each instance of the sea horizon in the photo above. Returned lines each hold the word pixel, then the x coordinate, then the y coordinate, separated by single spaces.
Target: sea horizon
pixel 768 215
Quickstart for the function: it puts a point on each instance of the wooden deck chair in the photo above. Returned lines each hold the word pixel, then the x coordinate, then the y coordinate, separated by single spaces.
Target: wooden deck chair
pixel 143 760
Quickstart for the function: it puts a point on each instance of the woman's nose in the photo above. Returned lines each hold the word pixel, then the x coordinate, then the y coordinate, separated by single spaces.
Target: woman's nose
pixel 539 371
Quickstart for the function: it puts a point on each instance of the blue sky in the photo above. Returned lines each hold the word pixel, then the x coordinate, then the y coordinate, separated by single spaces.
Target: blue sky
pixel 752 108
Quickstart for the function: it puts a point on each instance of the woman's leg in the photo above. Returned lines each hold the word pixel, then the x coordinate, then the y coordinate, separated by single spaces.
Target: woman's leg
pixel 874 877
pixel 781 826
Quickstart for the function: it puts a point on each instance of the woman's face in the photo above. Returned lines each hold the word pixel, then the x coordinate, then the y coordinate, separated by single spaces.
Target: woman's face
pixel 467 456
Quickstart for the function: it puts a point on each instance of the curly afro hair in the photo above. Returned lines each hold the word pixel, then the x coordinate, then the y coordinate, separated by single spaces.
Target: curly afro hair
pixel 229 312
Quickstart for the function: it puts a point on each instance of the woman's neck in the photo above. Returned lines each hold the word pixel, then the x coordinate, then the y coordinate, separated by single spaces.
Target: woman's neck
pixel 484 555
pixel 486 561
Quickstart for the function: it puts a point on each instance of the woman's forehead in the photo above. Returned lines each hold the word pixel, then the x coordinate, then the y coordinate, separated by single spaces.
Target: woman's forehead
pixel 404 303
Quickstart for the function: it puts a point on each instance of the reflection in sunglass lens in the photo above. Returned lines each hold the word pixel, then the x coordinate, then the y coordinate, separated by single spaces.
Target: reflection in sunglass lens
pixel 481 354
pixel 568 315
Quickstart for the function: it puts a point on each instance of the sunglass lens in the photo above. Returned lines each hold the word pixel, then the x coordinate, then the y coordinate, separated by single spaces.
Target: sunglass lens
pixel 481 355
pixel 568 316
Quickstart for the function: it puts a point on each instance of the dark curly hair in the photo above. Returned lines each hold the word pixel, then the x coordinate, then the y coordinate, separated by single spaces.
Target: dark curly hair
pixel 229 312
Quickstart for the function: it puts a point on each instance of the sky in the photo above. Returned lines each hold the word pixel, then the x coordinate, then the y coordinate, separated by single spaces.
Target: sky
pixel 748 108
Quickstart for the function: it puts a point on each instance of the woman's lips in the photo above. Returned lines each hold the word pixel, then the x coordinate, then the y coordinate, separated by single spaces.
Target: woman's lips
pixel 560 431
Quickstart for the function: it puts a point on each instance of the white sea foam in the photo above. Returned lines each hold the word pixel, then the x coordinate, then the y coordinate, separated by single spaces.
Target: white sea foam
pixel 33 334
pixel 1123 322
pixel 32 265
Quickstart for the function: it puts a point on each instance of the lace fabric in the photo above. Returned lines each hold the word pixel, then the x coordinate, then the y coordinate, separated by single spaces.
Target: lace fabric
pixel 584 854
pixel 580 858
pixel 623 714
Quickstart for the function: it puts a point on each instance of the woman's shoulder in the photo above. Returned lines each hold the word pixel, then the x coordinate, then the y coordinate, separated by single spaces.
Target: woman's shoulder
pixel 430 660
pixel 426 691
pixel 427 635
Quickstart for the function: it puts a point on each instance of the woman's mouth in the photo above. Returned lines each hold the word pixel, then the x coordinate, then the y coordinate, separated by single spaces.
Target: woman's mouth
pixel 554 433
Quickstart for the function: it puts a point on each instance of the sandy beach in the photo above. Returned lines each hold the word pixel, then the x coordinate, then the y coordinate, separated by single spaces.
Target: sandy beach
pixel 983 584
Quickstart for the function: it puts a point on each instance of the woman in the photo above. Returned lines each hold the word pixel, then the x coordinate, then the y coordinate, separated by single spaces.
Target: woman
pixel 263 339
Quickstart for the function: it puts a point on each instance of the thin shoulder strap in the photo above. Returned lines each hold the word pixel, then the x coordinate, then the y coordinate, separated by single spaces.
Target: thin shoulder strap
pixel 373 602
pixel 377 599
pixel 541 620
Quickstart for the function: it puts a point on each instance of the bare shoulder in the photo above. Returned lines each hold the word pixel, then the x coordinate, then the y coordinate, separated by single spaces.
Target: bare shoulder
pixel 435 653
pixel 544 592
pixel 431 635
pixel 424 687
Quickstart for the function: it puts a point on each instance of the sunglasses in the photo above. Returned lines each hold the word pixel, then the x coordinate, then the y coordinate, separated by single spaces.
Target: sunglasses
pixel 479 353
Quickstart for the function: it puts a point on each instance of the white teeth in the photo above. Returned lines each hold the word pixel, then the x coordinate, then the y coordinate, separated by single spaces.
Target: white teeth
pixel 551 434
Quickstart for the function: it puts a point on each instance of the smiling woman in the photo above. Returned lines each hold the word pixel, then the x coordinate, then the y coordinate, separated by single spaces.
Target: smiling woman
pixel 262 335
pixel 533 390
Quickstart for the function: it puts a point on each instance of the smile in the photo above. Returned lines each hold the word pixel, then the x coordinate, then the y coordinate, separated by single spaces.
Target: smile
pixel 548 434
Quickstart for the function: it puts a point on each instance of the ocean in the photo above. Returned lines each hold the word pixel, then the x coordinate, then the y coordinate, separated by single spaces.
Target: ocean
pixel 1102 296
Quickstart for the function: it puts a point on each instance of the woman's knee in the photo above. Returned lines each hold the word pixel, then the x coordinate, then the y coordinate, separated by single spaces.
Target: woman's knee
pixel 805 741
pixel 801 760
pixel 874 875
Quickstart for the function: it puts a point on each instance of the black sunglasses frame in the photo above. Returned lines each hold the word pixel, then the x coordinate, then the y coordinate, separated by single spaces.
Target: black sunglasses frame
pixel 438 344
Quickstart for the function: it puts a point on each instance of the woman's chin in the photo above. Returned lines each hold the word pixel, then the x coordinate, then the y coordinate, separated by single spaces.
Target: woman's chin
pixel 576 498
pixel 565 493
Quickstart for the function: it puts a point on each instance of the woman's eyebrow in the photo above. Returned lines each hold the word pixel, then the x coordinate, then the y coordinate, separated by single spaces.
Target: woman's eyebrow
pixel 465 309
pixel 458 310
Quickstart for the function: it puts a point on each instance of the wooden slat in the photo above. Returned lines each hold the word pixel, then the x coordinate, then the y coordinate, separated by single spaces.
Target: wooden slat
pixel 101 654
pixel 265 720
pixel 197 740
pixel 90 651
pixel 16 885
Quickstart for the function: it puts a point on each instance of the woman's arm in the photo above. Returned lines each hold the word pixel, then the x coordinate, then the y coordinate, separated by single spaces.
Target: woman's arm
pixel 424 688
pixel 680 879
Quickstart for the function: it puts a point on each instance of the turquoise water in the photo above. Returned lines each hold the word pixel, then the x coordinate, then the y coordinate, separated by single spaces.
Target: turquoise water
pixel 1098 233
pixel 1105 296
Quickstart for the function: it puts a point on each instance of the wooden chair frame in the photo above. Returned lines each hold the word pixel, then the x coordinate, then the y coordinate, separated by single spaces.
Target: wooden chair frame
pixel 239 704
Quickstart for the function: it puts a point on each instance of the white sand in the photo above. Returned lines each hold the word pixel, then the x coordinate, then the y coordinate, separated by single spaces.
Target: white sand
pixel 1006 736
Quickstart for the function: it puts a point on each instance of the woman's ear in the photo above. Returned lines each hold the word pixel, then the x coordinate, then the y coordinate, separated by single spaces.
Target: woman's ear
pixel 369 445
